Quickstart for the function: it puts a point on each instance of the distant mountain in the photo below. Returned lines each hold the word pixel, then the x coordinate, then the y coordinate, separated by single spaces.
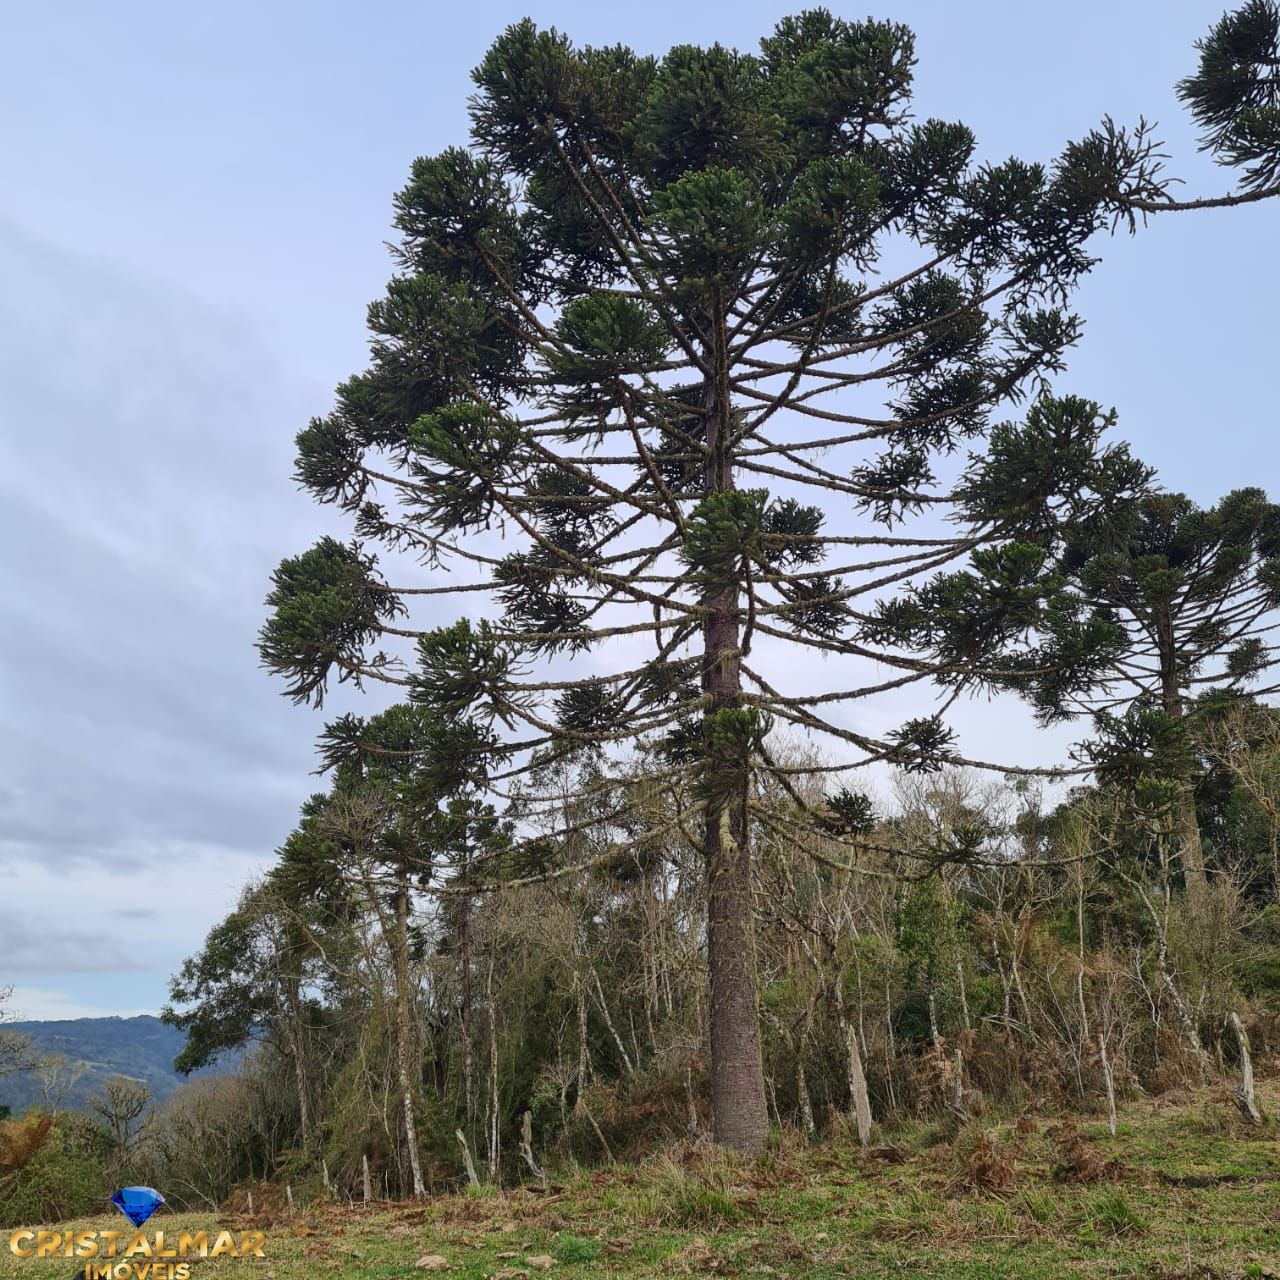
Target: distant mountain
pixel 142 1048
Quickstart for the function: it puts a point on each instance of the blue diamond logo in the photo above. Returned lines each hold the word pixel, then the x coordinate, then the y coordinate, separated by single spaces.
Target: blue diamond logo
pixel 137 1203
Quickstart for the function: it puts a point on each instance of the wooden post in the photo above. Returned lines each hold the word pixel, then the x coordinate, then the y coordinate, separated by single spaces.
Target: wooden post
pixel 288 1195
pixel 249 1197
pixel 368 1182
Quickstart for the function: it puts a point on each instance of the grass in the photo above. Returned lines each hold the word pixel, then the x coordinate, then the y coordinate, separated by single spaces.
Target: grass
pixel 827 1212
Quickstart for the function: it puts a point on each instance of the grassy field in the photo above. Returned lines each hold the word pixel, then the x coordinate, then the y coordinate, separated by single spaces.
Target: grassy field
pixel 1183 1189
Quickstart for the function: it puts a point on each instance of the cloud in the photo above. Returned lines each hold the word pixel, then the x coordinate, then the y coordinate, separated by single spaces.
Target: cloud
pixel 41 1004
pixel 32 943
pixel 148 765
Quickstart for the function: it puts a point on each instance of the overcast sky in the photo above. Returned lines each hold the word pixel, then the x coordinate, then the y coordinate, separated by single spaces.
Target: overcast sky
pixel 192 214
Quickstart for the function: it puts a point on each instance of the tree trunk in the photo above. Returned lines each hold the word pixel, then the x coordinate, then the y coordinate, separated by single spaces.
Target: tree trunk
pixel 526 1147
pixel 737 1074
pixel 1244 1094
pixel 473 1178
pixel 468 1050
pixel 739 1108
pixel 495 1116
pixel 858 1096
pixel 1183 1014
pixel 1109 1080
pixel 803 1101
pixel 404 1034
pixel 1186 824
pixel 584 1058
pixel 690 1102
pixel 608 1022
pixel 1191 850
pixel 300 1082
pixel 297 1051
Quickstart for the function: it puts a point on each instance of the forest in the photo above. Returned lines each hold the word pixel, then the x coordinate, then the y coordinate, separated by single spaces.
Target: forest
pixel 715 448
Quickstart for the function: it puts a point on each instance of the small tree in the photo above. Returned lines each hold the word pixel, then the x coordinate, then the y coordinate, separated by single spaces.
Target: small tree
pixel 658 308
pixel 121 1105
pixel 15 1049
pixel 1242 744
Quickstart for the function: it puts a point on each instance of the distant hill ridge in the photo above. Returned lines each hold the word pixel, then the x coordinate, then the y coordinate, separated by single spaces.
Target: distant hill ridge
pixel 142 1048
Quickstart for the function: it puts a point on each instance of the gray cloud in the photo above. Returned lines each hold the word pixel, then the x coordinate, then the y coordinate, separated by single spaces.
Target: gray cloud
pixel 33 943
pixel 144 499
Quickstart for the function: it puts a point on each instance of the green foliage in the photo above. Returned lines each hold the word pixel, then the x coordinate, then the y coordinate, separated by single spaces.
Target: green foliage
pixel 1145 745
pixel 921 745
pixel 603 337
pixel 708 111
pixel 571 1249
pixel 327 608
pixel 227 987
pixel 712 222
pixel 1052 474
pixel 1235 93
pixel 733 533
pixel 849 813
pixel 459 452
pixel 465 668
pixel 68 1177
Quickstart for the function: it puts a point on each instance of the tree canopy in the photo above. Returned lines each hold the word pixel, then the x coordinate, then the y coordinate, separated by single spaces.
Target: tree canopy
pixel 696 362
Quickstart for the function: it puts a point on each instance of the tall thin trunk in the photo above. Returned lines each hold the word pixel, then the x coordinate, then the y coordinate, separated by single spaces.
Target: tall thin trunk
pixel 803 1101
pixel 468 1047
pixel 404 1033
pixel 1109 1081
pixel 608 1021
pixel 1080 1000
pixel 890 1044
pixel 964 995
pixel 690 1102
pixel 297 1049
pixel 495 1117
pixel 739 1108
pixel 584 1052
pixel 1186 823
pixel 1190 1032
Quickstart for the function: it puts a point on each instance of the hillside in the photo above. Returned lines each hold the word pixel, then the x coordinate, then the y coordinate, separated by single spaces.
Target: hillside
pixel 142 1048
pixel 1184 1189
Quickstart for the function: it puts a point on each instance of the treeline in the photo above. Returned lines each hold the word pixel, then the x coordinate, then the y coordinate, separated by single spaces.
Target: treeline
pixel 960 944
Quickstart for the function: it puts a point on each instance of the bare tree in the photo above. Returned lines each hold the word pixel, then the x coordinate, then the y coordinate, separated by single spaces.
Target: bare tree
pixel 121 1104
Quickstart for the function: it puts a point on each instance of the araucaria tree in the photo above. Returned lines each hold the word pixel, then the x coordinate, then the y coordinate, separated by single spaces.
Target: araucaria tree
pixel 1141 617
pixel 668 378
pixel 1196 595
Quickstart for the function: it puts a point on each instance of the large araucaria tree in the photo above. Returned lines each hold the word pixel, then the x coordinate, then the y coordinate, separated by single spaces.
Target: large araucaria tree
pixel 689 362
